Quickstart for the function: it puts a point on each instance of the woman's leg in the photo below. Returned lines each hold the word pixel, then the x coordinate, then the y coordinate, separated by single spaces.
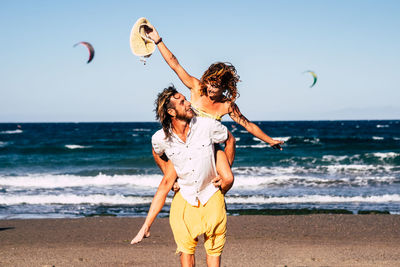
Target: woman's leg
pixel 230 148
pixel 224 170
pixel 224 161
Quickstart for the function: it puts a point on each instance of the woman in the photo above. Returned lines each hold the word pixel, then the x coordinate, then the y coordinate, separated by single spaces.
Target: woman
pixel 213 96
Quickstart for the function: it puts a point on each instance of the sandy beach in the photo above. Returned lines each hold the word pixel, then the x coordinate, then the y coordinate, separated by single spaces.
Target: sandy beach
pixel 311 240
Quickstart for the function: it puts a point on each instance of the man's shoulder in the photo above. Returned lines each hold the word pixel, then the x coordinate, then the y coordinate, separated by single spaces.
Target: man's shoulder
pixel 158 136
pixel 204 120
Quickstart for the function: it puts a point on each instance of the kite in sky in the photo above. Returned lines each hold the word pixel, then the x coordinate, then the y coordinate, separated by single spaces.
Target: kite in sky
pixel 90 48
pixel 314 76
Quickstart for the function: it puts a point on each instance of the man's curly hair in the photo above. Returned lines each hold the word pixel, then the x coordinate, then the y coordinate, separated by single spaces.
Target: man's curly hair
pixel 162 104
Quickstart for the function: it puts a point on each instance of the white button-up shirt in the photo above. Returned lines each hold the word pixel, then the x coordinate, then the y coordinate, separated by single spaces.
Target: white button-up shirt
pixel 194 159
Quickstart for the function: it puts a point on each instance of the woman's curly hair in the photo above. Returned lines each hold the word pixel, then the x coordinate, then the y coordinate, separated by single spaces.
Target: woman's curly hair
pixel 221 75
pixel 162 104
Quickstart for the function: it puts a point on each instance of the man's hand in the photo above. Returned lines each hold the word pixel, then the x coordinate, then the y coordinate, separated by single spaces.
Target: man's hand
pixel 175 187
pixel 143 233
pixel 217 181
pixel 276 144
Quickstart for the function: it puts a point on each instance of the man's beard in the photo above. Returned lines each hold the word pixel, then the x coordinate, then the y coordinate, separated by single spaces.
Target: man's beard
pixel 183 116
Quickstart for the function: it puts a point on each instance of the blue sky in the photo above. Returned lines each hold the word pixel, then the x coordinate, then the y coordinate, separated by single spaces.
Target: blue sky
pixel 353 46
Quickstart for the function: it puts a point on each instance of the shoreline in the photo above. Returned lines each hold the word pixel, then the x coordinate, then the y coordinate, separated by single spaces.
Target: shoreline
pixel 230 212
pixel 252 240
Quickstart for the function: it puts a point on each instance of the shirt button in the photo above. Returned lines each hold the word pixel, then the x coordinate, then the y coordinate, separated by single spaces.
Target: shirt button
pixel 192 170
pixel 190 158
pixel 195 181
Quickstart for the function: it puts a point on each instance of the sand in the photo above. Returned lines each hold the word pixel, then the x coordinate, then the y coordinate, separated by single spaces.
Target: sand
pixel 310 240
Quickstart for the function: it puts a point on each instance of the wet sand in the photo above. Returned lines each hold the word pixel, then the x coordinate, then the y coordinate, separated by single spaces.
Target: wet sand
pixel 309 240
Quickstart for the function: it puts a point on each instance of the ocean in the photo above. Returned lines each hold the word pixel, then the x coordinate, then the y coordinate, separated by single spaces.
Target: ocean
pixel 70 170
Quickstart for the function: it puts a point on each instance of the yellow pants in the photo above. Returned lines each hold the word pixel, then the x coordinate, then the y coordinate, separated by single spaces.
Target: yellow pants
pixel 188 222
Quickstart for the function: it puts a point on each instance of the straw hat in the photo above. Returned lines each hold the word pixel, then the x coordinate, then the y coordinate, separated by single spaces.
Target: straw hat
pixel 141 45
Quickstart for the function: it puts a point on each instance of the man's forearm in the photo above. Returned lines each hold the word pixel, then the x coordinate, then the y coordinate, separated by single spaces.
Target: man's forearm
pixel 161 194
pixel 160 162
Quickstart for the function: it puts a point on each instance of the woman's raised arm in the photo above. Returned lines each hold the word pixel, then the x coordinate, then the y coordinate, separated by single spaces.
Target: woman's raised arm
pixel 188 80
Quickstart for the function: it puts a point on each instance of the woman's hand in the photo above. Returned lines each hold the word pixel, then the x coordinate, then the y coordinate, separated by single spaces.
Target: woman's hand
pixel 152 33
pixel 143 233
pixel 276 144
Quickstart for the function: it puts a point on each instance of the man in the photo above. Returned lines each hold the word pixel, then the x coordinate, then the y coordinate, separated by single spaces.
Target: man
pixel 199 207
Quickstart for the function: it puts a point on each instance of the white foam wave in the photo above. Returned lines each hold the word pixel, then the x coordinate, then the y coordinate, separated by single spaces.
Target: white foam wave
pixel 312 140
pixel 386 155
pixel 141 130
pixel 76 146
pixel 378 137
pixel 382 126
pixel 62 181
pixel 255 182
pixel 70 199
pixel 396 138
pixel 284 138
pixel 237 139
pixel 312 199
pixel 253 146
pixel 3 144
pixel 12 132
pixel 354 168
pixel 334 158
pixel 245 178
pixel 98 199
pixel 348 169
pixel 260 145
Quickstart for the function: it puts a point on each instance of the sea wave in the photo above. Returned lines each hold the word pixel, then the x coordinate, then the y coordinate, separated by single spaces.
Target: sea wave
pixel 12 131
pixel 261 144
pixel 63 181
pixel 76 146
pixel 243 181
pixel 312 140
pixel 333 158
pixel 382 126
pixel 348 169
pixel 141 130
pixel 118 199
pixel 254 182
pixel 386 155
pixel 378 138
pixel 282 138
pixel 3 144
pixel 71 199
pixel 312 199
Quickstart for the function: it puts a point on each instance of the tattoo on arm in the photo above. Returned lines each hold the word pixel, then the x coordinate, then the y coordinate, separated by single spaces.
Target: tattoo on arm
pixel 235 113
pixel 173 58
